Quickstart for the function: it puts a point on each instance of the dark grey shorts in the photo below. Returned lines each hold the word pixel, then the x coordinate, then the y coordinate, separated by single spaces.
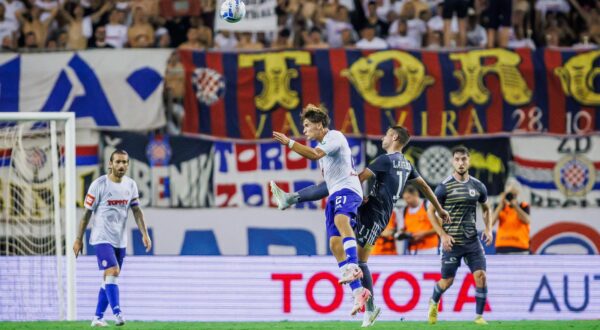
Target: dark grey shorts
pixel 473 254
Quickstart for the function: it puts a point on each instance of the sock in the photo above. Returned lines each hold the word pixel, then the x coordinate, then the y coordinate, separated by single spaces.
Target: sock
pixel 350 248
pixel 355 285
pixel 102 302
pixel 480 296
pixel 112 292
pixel 367 283
pixel 312 193
pixel 437 293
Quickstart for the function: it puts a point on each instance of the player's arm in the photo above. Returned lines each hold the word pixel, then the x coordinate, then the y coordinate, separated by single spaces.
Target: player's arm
pixel 302 150
pixel 139 220
pixel 436 222
pixel 365 175
pixel 487 214
pixel 523 213
pixel 85 220
pixel 428 193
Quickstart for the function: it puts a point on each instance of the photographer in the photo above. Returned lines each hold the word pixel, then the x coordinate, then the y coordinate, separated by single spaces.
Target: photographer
pixel 512 236
pixel 419 232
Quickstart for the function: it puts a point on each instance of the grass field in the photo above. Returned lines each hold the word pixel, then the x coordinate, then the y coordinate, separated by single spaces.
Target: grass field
pixel 545 325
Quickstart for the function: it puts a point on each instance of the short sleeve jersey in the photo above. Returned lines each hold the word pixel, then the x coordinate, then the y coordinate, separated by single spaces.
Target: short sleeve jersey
pixel 337 166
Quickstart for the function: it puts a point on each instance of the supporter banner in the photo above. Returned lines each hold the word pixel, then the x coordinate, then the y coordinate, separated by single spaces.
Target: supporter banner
pixel 248 95
pixel 169 171
pixel 243 172
pixel 260 231
pixel 118 89
pixel 306 289
pixel 433 159
pixel 260 17
pixel 559 172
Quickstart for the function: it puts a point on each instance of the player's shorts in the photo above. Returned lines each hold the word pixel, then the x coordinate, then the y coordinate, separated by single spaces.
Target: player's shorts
pixel 498 13
pixel 370 222
pixel 345 202
pixel 460 7
pixel 473 254
pixel 109 256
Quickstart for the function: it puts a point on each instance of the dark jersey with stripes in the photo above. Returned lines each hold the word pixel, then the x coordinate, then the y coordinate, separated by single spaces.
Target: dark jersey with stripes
pixel 391 173
pixel 460 200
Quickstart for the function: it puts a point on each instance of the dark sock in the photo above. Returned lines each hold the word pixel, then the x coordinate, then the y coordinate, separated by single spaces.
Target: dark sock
pixel 480 296
pixel 367 283
pixel 437 293
pixel 312 193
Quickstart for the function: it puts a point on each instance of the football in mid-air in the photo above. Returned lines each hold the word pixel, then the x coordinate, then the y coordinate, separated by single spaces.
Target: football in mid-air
pixel 233 11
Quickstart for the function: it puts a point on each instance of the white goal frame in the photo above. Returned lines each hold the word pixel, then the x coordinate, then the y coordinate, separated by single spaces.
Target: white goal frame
pixel 70 199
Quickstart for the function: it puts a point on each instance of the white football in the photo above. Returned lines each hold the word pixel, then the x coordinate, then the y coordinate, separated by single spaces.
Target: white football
pixel 233 11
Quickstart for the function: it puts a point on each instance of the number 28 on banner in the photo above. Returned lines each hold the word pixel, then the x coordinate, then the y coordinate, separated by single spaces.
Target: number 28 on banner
pixel 532 120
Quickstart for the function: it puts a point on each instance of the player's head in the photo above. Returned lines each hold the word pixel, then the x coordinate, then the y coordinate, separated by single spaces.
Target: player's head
pixel 461 159
pixel 396 137
pixel 411 195
pixel 118 163
pixel 314 120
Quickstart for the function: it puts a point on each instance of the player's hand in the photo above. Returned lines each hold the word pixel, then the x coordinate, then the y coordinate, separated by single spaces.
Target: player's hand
pixel 77 247
pixel 487 236
pixel 281 138
pixel 147 242
pixel 447 242
pixel 445 216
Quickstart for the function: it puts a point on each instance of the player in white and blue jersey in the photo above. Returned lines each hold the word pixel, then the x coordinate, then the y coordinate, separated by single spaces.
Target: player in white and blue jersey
pixel 335 159
pixel 109 199
pixel 390 172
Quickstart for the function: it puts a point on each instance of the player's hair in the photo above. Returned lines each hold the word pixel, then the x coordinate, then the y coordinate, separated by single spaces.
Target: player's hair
pixel 118 152
pixel 403 134
pixel 316 114
pixel 460 149
pixel 411 189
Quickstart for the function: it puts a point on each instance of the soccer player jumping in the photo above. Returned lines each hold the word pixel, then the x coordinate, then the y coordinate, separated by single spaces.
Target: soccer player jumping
pixel 109 199
pixel 335 159
pixel 390 171
pixel 459 194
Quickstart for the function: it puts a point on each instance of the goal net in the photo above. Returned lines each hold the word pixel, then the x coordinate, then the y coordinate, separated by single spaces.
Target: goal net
pixel 37 210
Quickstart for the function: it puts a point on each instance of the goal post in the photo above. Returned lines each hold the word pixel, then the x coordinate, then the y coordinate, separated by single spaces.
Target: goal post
pixel 55 162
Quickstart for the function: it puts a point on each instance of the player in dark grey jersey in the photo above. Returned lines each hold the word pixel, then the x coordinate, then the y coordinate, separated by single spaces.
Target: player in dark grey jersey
pixel 459 194
pixel 390 172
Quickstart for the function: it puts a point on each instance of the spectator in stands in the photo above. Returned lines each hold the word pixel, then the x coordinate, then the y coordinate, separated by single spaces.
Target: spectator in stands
pixel 193 41
pixel 31 23
pixel 141 32
pixel 517 40
pixel 5 26
pixel 458 8
pixel 499 22
pixel 591 18
pixel 99 40
pixel 386 242
pixel 314 39
pixel 162 37
pixel 400 38
pixel 225 40
pixel 520 16
pixel 416 27
pixel 11 7
pixel 8 44
pixel 336 25
pixel 435 40
pixel 283 40
pixel 31 41
pixel 347 36
pixel 512 236
pixel 245 42
pixel 80 27
pixel 585 42
pixel 369 39
pixel 116 30
pixel 413 8
pixel 476 34
pixel 381 27
pixel 421 236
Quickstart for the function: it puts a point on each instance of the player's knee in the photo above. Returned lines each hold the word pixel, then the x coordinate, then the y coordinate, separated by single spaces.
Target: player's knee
pixel 480 278
pixel 113 271
pixel 341 220
pixel 445 283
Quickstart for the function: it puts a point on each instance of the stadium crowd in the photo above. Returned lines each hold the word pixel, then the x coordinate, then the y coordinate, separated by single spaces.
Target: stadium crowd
pixel 31 25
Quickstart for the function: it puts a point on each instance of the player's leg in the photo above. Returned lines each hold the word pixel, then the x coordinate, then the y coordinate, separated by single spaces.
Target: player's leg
pixel 105 257
pixel 372 312
pixel 450 264
pixel 111 275
pixel 310 193
pixel 475 259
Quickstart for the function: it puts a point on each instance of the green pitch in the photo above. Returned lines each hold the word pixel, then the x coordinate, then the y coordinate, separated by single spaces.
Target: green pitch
pixel 516 325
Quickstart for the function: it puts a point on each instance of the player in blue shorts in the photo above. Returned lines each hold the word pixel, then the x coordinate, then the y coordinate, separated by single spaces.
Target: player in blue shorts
pixel 390 172
pixel 109 199
pixel 459 194
pixel 335 159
